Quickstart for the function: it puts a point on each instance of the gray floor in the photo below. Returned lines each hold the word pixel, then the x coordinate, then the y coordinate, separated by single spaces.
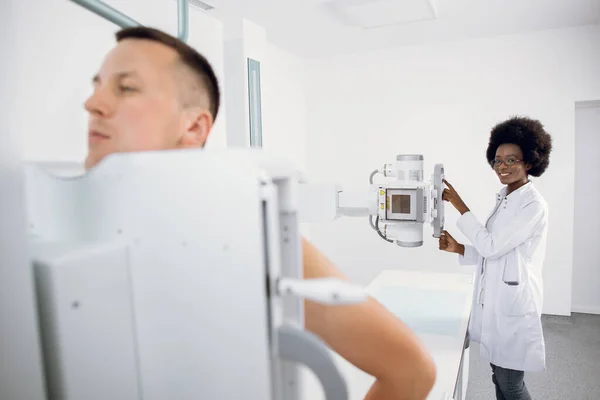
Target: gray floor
pixel 573 363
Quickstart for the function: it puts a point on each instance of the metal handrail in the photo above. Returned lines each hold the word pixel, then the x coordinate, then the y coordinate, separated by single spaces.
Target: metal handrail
pixel 107 12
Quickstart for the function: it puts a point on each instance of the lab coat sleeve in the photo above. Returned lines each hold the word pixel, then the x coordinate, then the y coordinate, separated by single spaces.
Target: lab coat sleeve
pixel 493 245
pixel 470 257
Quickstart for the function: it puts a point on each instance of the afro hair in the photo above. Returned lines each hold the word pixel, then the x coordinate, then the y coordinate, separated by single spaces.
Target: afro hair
pixel 529 135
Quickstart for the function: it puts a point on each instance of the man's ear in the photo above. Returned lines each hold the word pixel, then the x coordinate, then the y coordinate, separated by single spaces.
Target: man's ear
pixel 197 127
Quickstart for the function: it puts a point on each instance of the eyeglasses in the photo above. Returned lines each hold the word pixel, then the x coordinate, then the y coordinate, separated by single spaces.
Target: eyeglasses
pixel 508 162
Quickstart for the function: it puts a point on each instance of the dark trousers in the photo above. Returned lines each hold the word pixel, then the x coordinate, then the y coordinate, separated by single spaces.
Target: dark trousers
pixel 509 384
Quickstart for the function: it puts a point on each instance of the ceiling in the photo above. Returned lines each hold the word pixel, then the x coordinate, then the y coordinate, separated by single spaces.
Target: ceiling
pixel 320 28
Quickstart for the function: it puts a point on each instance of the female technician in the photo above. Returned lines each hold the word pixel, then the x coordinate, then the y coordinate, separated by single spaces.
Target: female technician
pixel 509 252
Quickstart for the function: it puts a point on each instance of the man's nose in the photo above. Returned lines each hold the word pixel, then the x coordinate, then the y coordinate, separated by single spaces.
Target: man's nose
pixel 98 103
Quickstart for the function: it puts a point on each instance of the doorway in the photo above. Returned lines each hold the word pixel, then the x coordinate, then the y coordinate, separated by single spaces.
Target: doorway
pixel 586 233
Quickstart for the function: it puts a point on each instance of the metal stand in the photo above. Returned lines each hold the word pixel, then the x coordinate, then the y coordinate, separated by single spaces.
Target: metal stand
pixel 107 12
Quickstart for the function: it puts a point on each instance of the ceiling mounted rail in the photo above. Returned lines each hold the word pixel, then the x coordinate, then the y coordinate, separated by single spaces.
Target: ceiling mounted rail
pixel 107 12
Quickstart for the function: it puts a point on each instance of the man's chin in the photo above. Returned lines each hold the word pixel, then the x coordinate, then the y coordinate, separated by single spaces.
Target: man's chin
pixel 91 161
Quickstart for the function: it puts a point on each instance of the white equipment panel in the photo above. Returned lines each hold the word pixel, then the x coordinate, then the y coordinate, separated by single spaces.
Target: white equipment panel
pixel 161 275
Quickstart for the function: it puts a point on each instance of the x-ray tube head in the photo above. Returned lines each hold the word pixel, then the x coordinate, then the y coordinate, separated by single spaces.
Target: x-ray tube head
pixel 397 205
pixel 406 201
pixel 409 167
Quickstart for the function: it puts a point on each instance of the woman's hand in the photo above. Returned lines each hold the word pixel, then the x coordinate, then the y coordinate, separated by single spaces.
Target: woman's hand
pixel 450 195
pixel 449 244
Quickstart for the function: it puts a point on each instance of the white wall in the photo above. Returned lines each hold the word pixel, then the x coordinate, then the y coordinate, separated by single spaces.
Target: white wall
pixel 284 109
pixel 441 101
pixel 284 105
pixel 586 257
pixel 61 46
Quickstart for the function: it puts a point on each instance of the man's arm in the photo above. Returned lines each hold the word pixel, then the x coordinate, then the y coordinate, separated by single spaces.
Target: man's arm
pixel 370 337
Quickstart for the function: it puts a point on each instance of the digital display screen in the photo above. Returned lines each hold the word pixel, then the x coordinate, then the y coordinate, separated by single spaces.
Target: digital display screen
pixel 401 204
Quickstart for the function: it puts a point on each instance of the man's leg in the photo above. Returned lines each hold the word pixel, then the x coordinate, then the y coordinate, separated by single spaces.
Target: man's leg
pixel 510 384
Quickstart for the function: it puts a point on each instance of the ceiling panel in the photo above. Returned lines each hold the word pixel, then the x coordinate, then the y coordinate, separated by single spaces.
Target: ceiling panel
pixel 379 13
pixel 321 28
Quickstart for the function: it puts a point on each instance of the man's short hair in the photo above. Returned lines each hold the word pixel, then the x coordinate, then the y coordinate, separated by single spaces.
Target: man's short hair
pixel 189 57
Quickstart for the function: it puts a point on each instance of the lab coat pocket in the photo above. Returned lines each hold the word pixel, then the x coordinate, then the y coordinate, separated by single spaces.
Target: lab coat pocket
pixel 514 297
pixel 514 300
pixel 512 268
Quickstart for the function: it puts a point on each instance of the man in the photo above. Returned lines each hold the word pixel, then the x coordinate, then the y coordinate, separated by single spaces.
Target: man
pixel 154 92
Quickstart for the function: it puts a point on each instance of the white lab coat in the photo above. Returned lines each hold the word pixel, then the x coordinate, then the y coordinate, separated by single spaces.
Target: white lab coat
pixel 509 253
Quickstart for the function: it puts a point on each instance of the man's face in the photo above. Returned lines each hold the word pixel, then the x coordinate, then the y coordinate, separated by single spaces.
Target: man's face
pixel 136 106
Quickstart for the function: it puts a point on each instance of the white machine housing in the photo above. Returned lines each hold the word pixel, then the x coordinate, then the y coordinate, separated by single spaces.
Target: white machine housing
pixel 155 280
pixel 407 202
pixel 397 207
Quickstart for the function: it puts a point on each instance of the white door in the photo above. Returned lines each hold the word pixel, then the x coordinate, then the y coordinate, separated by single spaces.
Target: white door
pixel 586 246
